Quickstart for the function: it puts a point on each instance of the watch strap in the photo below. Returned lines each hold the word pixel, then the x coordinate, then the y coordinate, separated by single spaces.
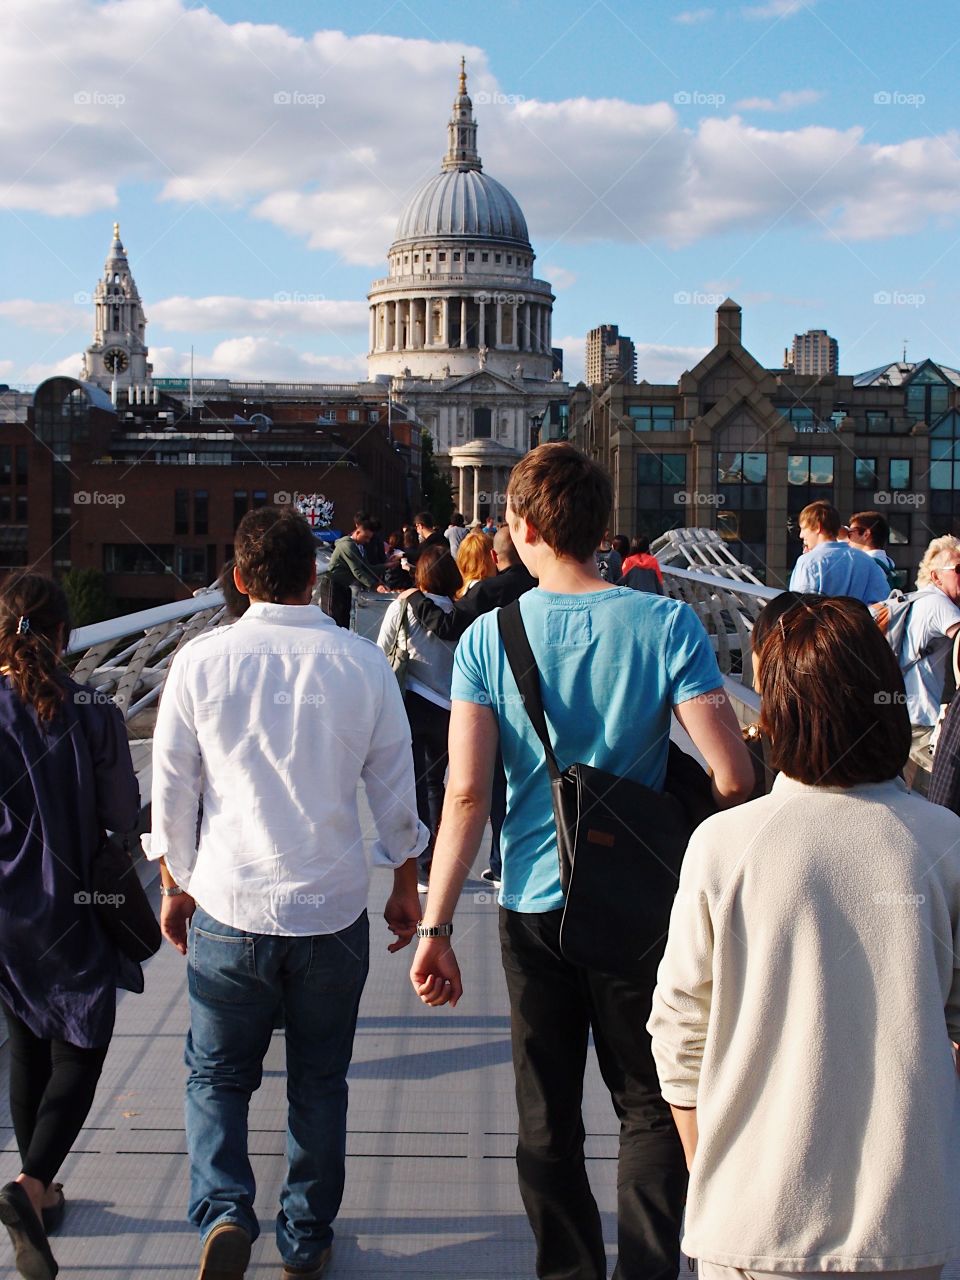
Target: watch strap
pixel 434 930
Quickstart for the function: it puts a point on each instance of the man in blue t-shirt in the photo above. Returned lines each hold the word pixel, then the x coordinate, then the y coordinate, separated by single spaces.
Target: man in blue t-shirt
pixel 613 663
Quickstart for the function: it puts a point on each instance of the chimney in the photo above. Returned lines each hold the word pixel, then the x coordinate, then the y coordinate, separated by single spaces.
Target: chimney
pixel 729 324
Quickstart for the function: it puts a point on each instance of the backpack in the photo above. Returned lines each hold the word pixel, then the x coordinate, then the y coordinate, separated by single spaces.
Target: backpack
pixel 892 616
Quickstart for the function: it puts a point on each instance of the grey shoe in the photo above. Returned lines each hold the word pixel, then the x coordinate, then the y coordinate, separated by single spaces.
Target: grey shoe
pixel 314 1272
pixel 226 1252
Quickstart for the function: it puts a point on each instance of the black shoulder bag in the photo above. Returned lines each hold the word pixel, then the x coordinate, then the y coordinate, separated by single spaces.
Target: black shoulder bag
pixel 620 843
pixel 121 903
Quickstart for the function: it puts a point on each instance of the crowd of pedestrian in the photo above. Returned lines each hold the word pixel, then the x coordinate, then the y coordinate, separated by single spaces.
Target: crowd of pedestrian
pixel 780 1049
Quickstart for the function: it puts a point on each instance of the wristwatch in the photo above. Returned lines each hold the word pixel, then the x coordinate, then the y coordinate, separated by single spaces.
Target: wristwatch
pixel 171 890
pixel 434 930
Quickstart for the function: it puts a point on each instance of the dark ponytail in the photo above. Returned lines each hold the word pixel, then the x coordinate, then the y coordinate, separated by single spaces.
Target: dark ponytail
pixel 34 626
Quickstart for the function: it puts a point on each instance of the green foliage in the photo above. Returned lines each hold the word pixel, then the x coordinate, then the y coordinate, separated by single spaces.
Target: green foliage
pixel 437 492
pixel 90 601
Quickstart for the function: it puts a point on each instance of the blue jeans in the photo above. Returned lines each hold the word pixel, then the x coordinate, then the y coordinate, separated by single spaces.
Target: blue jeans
pixel 238 981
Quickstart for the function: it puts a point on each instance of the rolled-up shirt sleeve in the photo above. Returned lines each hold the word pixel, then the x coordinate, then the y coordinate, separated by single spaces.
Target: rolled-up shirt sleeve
pixel 176 782
pixel 389 781
pixel 681 1002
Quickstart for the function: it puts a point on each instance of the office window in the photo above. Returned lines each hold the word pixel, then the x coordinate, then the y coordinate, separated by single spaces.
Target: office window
pixel 865 474
pixel 21 505
pixel 259 498
pixel 181 517
pixel 240 504
pixel 21 472
pixel 900 473
pixel 353 415
pixel 652 417
pixel 6 455
pixel 201 511
pixel 809 469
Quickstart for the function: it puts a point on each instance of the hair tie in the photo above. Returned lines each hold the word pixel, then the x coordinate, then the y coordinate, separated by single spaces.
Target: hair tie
pixel 23 625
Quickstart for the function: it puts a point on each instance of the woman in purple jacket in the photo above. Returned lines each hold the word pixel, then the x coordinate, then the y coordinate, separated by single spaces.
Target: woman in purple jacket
pixel 65 777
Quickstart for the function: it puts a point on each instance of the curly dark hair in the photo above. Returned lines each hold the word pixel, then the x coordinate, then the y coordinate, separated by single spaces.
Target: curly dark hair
pixel 275 553
pixel 34 628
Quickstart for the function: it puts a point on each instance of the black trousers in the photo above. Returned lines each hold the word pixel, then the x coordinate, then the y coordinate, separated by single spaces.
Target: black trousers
pixel 52 1087
pixel 429 728
pixel 553 1007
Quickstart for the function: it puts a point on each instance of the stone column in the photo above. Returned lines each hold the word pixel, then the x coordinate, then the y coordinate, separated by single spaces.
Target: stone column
pixel 461 491
pixel 516 322
pixel 445 322
pixel 482 326
pixel 373 328
pixel 525 341
pixel 476 493
pixel 499 328
pixel 463 322
pixel 395 306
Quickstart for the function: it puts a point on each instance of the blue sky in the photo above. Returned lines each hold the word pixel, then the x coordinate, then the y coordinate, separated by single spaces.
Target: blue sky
pixel 799 155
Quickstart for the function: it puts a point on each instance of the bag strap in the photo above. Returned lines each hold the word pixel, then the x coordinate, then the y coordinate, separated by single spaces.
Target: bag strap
pixel 401 639
pixel 516 646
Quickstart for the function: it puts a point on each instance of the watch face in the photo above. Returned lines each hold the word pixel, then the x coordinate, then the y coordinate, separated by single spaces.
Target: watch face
pixel 115 360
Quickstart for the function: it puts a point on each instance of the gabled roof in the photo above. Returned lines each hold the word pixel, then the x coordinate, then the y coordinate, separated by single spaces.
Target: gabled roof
pixel 900 373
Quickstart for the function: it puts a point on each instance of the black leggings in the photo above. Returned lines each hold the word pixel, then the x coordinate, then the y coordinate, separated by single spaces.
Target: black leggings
pixel 52 1086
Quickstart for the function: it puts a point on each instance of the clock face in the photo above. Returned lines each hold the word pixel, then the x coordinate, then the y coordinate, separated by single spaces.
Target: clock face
pixel 115 360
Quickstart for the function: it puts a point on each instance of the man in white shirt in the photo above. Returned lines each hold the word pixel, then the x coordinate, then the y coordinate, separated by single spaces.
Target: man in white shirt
pixel 932 623
pixel 266 728
pixel 869 532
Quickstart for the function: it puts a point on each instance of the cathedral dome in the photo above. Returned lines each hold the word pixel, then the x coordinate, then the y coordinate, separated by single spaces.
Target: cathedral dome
pixel 461 201
pixel 464 203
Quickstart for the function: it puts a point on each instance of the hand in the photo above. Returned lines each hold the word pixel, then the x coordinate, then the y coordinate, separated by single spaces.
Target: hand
pixel 435 973
pixel 383 591
pixel 402 913
pixel 175 914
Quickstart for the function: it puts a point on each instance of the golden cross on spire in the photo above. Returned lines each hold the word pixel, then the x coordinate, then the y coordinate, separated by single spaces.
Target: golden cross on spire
pixel 463 75
pixel 116 231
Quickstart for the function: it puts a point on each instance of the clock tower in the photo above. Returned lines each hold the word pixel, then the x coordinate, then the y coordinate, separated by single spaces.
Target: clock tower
pixel 118 353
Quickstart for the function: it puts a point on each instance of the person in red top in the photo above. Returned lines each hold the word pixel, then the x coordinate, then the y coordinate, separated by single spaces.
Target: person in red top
pixel 640 558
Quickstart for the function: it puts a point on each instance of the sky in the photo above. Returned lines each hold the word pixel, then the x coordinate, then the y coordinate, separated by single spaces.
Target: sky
pixel 801 156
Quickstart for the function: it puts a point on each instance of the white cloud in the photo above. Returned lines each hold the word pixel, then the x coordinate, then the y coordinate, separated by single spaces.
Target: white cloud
pixel 694 17
pixel 788 100
pixel 777 9
pixel 257 359
pixel 55 316
pixel 181 98
pixel 6 366
pixel 289 311
pixel 559 277
pixel 37 372
pixel 657 362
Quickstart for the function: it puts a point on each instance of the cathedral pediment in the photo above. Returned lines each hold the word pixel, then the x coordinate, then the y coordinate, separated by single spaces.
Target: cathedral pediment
pixel 483 383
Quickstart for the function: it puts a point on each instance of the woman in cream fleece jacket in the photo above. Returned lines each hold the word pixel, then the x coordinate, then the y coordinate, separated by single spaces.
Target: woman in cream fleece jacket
pixel 808 995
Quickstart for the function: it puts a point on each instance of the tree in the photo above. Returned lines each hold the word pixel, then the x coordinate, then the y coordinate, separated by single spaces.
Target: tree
pixel 90 601
pixel 436 491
